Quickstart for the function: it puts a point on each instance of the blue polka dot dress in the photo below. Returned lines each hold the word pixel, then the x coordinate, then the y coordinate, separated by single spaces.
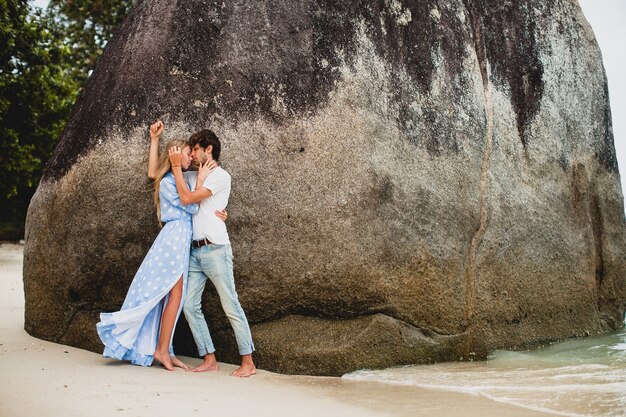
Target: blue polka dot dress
pixel 132 333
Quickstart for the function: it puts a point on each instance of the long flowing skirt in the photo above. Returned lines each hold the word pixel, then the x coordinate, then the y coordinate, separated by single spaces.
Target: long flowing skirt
pixel 133 332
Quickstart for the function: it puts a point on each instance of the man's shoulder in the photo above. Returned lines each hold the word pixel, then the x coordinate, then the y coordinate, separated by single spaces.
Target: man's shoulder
pixel 221 174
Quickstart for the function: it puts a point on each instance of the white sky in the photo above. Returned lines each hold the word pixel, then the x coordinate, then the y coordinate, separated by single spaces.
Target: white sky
pixel 607 19
pixel 39 3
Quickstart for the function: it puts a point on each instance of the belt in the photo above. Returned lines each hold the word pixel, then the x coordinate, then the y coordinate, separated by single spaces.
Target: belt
pixel 200 243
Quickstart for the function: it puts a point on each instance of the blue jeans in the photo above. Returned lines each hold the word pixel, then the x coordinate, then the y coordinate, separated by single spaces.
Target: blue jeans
pixel 214 262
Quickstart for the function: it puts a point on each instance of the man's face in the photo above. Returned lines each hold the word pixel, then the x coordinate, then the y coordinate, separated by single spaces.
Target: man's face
pixel 200 154
pixel 186 159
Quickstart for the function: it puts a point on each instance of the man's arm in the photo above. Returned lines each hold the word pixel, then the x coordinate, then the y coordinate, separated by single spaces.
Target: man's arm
pixel 186 195
pixel 155 134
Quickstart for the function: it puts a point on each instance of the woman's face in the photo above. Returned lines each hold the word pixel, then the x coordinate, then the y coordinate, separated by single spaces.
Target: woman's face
pixel 186 159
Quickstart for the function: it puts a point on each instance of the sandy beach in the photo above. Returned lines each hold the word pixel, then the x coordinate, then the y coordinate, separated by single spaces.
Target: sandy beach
pixel 47 379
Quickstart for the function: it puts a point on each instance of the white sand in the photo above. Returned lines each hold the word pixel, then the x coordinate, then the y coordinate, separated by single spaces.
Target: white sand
pixel 42 379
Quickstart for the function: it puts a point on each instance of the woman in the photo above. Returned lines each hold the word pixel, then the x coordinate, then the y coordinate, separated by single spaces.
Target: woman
pixel 142 330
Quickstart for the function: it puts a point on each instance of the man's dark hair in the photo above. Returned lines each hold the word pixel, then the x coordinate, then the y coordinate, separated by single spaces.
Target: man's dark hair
pixel 204 138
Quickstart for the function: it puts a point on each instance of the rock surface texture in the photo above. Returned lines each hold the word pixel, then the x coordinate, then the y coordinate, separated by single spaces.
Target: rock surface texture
pixel 412 181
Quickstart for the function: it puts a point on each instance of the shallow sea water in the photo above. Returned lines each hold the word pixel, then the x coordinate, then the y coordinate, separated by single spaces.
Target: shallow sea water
pixel 578 377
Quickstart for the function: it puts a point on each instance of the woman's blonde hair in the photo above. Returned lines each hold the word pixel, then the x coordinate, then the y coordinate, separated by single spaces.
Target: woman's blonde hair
pixel 163 167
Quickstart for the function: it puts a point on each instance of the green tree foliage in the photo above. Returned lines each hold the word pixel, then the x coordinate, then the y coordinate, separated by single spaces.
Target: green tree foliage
pixel 89 24
pixel 46 56
pixel 37 89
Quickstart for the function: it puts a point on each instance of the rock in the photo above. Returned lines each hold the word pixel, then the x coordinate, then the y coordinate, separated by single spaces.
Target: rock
pixel 412 181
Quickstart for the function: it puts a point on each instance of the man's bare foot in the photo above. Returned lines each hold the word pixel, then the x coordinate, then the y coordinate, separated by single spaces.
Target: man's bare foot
pixel 179 364
pixel 209 364
pixel 246 369
pixel 165 359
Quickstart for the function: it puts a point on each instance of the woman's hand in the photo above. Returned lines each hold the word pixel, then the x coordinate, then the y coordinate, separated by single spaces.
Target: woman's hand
pixel 222 214
pixel 156 129
pixel 176 156
pixel 205 169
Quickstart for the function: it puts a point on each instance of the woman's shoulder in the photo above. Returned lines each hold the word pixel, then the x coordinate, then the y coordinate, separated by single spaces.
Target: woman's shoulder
pixel 168 177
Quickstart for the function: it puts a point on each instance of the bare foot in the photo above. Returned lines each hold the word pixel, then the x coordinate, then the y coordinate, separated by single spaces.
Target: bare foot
pixel 209 364
pixel 245 370
pixel 179 364
pixel 165 359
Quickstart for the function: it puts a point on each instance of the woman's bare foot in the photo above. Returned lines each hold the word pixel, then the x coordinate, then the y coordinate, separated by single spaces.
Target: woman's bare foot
pixel 179 364
pixel 165 359
pixel 209 364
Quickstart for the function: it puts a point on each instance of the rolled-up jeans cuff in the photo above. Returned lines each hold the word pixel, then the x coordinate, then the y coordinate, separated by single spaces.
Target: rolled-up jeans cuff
pixel 203 351
pixel 247 350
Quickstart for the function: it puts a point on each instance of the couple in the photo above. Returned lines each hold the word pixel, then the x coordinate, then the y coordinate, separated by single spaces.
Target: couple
pixel 192 246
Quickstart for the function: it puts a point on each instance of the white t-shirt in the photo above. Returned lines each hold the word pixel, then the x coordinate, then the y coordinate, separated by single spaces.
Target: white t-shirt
pixel 205 223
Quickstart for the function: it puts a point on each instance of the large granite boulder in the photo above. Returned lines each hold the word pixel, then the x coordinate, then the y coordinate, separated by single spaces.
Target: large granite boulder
pixel 412 181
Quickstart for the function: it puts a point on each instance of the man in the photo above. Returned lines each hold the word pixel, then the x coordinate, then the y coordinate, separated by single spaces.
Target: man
pixel 211 254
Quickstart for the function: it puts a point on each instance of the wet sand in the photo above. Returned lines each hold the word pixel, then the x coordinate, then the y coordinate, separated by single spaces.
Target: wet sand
pixel 47 379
